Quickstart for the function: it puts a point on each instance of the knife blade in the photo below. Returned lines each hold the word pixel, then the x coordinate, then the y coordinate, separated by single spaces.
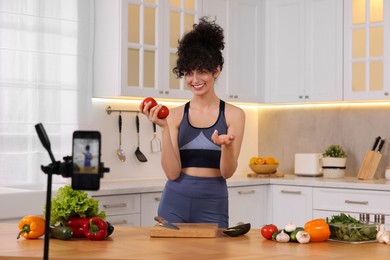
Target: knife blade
pixel 380 145
pixel 165 223
pixel 376 143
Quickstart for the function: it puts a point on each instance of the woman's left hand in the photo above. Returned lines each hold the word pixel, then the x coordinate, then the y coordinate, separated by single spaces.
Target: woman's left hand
pixel 225 139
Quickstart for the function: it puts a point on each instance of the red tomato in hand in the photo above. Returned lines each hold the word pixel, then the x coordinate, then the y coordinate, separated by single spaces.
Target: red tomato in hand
pixel 163 113
pixel 147 100
pixel 268 230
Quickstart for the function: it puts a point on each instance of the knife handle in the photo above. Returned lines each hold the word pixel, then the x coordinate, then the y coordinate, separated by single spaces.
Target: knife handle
pixel 376 143
pixel 159 219
pixel 381 143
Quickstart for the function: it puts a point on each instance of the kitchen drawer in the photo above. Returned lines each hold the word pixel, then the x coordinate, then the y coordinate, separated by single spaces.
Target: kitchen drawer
pixel 125 220
pixel 344 200
pixel 149 207
pixel 120 204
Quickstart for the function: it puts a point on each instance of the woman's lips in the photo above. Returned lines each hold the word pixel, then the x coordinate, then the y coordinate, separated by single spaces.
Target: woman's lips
pixel 198 86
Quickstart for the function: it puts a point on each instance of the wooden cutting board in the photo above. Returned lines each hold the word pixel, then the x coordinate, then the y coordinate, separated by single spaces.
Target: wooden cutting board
pixel 186 230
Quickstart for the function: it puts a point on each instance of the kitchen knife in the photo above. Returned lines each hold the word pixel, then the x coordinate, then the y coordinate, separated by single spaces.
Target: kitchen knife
pixel 165 223
pixel 376 143
pixel 381 143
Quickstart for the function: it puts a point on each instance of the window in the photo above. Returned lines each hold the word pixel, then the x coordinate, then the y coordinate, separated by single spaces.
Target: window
pixel 44 77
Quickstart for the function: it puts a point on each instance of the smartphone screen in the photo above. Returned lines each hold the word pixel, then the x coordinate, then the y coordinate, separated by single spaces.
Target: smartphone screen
pixel 86 160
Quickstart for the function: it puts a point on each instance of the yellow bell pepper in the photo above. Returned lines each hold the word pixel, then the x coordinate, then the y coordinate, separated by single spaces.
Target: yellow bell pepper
pixel 318 230
pixel 31 227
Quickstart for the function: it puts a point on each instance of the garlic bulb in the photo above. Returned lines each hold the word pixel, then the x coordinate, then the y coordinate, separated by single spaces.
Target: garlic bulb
pixel 303 237
pixel 282 237
pixel 290 227
pixel 383 236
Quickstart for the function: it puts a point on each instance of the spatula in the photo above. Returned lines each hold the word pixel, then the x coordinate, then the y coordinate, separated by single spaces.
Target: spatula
pixel 140 156
pixel 155 142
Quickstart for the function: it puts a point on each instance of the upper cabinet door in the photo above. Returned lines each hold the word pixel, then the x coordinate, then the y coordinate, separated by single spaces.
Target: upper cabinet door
pixel 304 50
pixel 135 47
pixel 242 77
pixel 366 49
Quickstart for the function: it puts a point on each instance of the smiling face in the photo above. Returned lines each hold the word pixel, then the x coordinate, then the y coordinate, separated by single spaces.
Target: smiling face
pixel 200 81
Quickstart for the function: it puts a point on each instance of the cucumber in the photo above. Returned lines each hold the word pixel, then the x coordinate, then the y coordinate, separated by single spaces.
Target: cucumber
pixel 61 232
pixel 293 235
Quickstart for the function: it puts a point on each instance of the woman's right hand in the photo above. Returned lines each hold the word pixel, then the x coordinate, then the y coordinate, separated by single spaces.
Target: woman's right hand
pixel 152 113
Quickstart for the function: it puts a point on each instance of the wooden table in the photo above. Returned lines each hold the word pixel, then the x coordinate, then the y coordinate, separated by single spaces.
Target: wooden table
pixel 135 243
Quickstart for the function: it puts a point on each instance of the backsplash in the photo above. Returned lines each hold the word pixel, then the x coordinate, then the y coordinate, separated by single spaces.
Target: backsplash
pixel 270 131
pixel 285 131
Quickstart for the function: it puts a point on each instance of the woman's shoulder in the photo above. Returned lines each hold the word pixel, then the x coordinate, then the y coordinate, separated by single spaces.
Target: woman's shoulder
pixel 234 111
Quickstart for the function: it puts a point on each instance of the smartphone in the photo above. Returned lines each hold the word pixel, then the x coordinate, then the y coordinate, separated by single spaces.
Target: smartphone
pixel 86 160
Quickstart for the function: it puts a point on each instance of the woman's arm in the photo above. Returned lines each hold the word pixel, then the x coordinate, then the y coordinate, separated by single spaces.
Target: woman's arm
pixel 170 156
pixel 232 141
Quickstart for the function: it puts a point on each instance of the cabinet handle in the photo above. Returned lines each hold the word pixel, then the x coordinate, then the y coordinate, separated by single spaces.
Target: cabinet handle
pixel 300 97
pixel 161 92
pixel 306 97
pixel 356 202
pixel 386 93
pixel 166 92
pixel 119 222
pixel 246 192
pixel 119 205
pixel 157 199
pixel 235 96
pixel 291 191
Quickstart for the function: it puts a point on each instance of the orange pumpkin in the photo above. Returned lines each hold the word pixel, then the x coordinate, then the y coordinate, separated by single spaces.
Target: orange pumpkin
pixel 318 229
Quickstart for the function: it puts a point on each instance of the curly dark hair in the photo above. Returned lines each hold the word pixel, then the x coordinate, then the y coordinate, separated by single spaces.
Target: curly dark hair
pixel 200 49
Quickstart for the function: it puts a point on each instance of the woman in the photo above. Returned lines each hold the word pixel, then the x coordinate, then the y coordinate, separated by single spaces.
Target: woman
pixel 201 140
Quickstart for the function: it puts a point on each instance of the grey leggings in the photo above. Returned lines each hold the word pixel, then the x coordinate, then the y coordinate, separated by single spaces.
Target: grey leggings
pixel 190 199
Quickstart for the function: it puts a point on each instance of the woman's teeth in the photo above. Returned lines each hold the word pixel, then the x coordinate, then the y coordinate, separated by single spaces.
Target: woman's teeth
pixel 197 86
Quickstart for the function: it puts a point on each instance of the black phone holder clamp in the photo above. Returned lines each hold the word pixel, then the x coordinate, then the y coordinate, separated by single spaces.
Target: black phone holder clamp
pixel 55 167
pixel 65 168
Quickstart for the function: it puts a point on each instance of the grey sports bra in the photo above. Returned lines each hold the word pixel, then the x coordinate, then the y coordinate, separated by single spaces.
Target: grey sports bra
pixel 196 147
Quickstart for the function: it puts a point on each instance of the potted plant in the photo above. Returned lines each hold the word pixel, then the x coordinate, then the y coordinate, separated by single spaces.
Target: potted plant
pixel 333 162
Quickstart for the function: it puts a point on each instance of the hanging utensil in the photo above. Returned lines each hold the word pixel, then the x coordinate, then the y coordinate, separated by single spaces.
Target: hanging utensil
pixel 140 156
pixel 120 152
pixel 155 142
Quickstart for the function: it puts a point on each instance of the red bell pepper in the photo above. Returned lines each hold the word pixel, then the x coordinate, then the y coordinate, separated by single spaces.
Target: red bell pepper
pixel 77 225
pixel 95 229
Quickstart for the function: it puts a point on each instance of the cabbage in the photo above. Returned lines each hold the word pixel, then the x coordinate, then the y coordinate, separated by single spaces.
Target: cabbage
pixel 73 203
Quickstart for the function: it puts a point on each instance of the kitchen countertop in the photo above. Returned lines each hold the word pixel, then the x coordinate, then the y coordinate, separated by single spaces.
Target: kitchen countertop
pixel 11 198
pixel 111 187
pixel 135 243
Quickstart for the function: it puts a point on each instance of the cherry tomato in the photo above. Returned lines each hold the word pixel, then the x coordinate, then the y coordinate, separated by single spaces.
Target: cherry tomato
pixel 268 230
pixel 147 100
pixel 163 113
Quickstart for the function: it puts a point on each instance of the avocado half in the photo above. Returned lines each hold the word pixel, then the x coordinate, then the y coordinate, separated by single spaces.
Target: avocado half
pixel 238 230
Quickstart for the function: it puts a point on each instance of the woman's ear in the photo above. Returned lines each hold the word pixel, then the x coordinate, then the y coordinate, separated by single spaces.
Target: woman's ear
pixel 217 72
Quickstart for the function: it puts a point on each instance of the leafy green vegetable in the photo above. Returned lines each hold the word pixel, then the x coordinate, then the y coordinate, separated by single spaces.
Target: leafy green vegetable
pixel 73 203
pixel 347 228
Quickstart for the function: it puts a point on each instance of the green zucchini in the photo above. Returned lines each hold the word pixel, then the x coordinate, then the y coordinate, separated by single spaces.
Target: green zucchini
pixel 61 232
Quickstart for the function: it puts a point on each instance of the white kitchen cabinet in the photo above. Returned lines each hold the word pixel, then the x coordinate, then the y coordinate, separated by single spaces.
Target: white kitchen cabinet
pixel 248 204
pixel 304 46
pixel 133 52
pixel 242 77
pixel 328 201
pixel 149 207
pixel 291 203
pixel 121 209
pixel 366 50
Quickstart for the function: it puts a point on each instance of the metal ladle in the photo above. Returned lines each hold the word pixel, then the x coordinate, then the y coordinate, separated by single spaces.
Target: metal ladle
pixel 120 152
